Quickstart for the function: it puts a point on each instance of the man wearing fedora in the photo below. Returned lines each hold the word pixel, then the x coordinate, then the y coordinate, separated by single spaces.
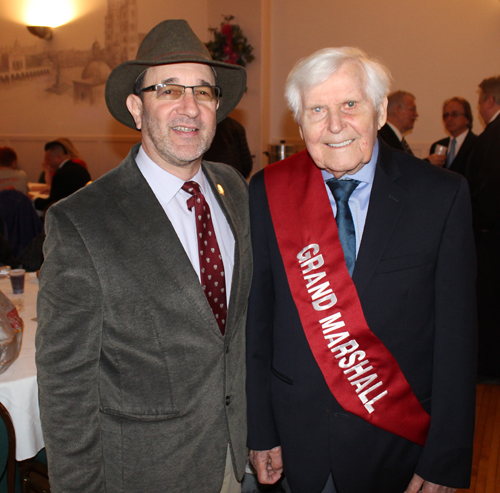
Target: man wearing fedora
pixel 143 293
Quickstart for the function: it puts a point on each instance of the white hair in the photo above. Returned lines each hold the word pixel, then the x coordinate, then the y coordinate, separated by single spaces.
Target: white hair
pixel 318 67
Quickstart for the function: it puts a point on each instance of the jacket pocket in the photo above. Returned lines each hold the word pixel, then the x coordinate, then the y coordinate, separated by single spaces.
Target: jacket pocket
pixel 142 416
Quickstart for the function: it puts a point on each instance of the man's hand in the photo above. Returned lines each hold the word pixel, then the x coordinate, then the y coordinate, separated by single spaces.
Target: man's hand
pixel 417 482
pixel 268 464
pixel 437 159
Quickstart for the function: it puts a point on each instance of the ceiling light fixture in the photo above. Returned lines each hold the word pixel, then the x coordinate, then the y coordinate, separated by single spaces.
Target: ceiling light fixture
pixel 43 32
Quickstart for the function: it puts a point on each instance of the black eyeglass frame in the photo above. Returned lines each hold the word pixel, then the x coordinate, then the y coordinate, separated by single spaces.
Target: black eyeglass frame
pixel 453 114
pixel 155 87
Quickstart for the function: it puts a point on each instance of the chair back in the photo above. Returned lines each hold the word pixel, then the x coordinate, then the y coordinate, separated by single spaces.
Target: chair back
pixel 33 473
pixel 20 220
pixel 11 456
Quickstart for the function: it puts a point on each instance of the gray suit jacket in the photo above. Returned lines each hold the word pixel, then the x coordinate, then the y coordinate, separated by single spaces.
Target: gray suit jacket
pixel 139 392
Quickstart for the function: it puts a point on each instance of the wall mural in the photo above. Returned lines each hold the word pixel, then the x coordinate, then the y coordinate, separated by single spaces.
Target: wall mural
pixel 81 73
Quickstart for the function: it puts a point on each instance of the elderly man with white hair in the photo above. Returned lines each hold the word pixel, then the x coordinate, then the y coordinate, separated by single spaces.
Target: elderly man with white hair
pixel 361 331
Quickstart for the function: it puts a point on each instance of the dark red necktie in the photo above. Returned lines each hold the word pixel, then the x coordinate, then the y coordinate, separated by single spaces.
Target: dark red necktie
pixel 211 266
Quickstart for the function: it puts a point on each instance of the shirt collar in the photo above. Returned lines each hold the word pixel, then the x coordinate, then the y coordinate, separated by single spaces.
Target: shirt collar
pixel 163 183
pixel 460 138
pixel 63 163
pixel 365 174
pixel 395 130
pixel 494 116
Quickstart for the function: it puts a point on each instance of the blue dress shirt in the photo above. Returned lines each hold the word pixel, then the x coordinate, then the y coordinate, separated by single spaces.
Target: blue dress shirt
pixel 360 198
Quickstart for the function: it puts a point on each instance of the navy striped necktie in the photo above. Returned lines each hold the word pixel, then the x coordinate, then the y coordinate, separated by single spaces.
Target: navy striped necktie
pixel 342 190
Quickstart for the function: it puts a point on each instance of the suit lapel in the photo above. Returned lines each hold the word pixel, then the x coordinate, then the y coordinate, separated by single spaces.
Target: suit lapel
pixel 386 202
pixel 233 216
pixel 460 161
pixel 159 241
pixel 468 143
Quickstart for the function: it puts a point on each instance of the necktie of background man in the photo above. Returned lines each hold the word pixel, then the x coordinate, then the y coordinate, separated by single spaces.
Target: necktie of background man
pixel 451 154
pixel 406 146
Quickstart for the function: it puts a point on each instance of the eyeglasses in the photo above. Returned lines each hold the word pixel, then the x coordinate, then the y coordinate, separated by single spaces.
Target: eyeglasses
pixel 453 114
pixel 173 92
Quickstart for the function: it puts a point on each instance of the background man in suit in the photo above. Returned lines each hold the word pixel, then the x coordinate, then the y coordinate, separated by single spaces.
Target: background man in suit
pixel 401 116
pixel 68 176
pixel 405 236
pixel 457 118
pixel 230 146
pixel 143 292
pixel 484 178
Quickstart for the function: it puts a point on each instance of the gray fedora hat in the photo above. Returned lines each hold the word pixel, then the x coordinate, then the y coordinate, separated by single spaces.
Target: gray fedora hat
pixel 171 41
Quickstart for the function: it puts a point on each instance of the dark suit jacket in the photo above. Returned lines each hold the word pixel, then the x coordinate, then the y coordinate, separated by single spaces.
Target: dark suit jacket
pixel 483 172
pixel 66 180
pixel 139 392
pixel 459 164
pixel 390 138
pixel 230 147
pixel 415 278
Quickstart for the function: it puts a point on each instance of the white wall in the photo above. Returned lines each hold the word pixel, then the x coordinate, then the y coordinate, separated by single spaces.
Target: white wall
pixel 249 112
pixel 435 49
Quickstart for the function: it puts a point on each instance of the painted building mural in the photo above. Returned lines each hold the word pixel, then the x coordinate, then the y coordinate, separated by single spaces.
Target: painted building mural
pixel 82 73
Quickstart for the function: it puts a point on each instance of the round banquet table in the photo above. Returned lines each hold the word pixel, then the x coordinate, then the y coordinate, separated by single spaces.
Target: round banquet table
pixel 18 385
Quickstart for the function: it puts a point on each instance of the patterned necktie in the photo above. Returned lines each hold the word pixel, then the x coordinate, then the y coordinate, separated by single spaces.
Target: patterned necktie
pixel 212 274
pixel 342 190
pixel 451 154
pixel 406 146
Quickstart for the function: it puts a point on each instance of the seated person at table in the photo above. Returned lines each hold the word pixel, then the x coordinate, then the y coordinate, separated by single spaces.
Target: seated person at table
pixel 68 177
pixel 72 151
pixel 10 176
pixel 457 118
pixel 73 154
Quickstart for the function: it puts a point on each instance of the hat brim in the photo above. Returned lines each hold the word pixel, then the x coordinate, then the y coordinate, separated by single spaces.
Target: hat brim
pixel 230 78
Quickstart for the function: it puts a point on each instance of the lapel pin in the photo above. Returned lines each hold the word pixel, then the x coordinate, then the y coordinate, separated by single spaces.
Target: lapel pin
pixel 220 190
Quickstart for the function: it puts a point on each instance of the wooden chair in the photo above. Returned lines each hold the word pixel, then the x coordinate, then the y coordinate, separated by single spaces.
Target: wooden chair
pixel 33 473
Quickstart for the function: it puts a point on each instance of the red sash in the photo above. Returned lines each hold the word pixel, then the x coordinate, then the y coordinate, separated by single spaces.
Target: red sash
pixel 361 373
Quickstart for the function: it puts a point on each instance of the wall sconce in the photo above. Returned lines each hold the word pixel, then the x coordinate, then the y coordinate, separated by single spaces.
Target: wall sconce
pixel 43 32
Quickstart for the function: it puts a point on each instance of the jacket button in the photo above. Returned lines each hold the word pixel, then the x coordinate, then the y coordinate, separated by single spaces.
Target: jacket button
pixel 228 400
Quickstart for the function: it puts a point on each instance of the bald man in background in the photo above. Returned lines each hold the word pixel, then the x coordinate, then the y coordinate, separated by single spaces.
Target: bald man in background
pixel 401 116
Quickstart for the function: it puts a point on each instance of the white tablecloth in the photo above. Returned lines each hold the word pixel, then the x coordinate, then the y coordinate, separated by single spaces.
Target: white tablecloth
pixel 18 385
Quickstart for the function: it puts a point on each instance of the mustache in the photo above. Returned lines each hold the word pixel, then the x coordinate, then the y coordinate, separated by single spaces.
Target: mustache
pixel 187 122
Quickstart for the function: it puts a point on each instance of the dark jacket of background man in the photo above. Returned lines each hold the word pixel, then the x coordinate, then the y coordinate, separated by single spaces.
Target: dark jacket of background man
pixel 483 173
pixel 69 178
pixel 230 146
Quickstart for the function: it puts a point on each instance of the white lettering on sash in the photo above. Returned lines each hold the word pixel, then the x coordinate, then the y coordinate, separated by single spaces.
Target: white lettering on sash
pixel 312 263
pixel 336 338
pixel 344 363
pixel 314 278
pixel 320 290
pixel 329 324
pixel 346 348
pixel 304 253
pixel 350 358
pixel 329 301
pixel 364 382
